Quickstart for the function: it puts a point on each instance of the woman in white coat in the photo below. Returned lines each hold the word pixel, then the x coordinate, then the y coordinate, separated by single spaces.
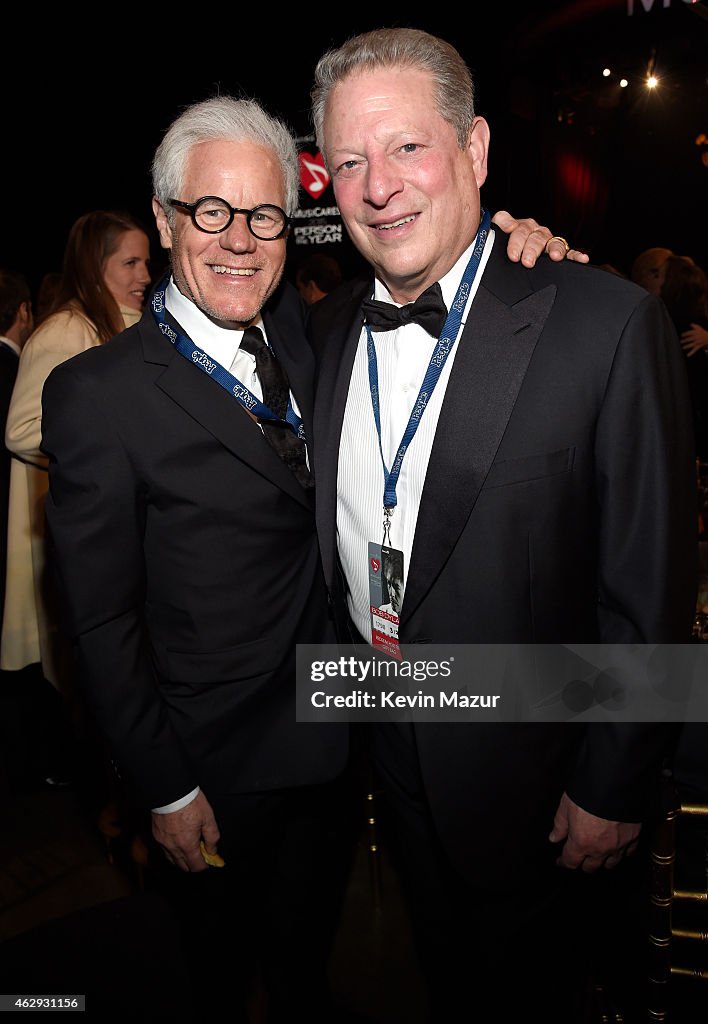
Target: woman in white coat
pixel 102 289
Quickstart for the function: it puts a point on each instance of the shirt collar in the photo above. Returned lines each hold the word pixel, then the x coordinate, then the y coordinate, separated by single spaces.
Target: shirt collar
pixel 221 343
pixel 10 344
pixel 451 281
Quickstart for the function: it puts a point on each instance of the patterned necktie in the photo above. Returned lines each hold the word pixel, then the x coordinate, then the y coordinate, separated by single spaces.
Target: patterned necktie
pixel 428 310
pixel 276 392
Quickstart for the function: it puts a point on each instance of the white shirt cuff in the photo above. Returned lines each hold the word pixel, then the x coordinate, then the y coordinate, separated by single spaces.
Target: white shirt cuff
pixel 177 805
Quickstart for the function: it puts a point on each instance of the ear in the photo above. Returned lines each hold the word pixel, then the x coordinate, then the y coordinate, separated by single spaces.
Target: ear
pixel 478 148
pixel 163 226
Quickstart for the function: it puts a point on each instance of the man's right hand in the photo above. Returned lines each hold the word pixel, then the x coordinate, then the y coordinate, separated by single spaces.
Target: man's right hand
pixel 180 832
pixel 694 339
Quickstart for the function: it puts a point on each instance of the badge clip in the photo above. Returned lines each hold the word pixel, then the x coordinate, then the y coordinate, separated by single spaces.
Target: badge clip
pixel 388 512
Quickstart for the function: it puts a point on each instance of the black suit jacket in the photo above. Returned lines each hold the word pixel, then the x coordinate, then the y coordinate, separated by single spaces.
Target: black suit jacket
pixel 188 558
pixel 9 363
pixel 558 507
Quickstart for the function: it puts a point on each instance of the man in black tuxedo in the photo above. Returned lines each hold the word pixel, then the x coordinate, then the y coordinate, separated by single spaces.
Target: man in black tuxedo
pixel 186 550
pixel 544 495
pixel 181 512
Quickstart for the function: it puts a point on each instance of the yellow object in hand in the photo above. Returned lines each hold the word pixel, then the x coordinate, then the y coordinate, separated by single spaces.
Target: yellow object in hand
pixel 212 859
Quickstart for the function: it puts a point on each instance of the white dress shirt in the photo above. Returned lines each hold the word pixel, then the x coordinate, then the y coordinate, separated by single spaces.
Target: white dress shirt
pixel 220 343
pixel 403 356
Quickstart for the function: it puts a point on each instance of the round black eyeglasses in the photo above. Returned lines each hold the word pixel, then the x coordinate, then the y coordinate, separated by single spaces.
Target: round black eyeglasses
pixel 213 215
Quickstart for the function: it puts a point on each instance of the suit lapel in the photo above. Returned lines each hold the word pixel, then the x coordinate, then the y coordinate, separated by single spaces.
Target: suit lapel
pixel 495 349
pixel 341 331
pixel 286 336
pixel 215 410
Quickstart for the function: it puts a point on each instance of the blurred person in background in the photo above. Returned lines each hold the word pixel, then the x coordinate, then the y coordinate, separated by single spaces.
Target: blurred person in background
pixel 685 294
pixel 16 323
pixel 46 293
pixel 317 276
pixel 648 269
pixel 104 277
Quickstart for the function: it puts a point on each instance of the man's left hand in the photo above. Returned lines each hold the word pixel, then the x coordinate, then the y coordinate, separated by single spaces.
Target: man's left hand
pixel 528 240
pixel 591 842
pixel 179 833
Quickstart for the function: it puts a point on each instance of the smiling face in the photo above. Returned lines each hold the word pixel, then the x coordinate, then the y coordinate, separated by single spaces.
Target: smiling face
pixel 408 194
pixel 126 270
pixel 229 275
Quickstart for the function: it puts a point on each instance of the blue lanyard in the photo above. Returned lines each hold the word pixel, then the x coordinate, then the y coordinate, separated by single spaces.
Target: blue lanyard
pixel 186 347
pixel 450 330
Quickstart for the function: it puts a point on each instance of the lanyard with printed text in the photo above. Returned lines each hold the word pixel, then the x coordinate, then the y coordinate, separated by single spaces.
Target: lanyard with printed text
pixel 186 347
pixel 444 344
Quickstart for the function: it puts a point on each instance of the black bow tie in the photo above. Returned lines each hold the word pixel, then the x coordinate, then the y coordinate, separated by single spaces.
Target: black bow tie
pixel 428 310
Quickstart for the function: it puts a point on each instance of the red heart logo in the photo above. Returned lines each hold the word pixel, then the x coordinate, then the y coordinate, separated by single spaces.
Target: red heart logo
pixel 313 174
pixel 375 564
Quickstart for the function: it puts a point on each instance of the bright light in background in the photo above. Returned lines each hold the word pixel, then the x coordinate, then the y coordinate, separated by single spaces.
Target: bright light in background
pixel 606 73
pixel 623 83
pixel 651 80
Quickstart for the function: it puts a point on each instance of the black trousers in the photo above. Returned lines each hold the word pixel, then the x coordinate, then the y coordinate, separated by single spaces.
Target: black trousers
pixel 259 931
pixel 513 954
pixel 559 946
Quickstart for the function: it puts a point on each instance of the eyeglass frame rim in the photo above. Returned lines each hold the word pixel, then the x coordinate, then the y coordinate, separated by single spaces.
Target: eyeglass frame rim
pixel 180 204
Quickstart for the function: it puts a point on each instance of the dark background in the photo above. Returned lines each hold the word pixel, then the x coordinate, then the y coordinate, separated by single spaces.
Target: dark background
pixel 614 170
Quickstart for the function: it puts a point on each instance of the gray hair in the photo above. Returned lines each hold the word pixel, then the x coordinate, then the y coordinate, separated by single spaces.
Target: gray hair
pixel 215 119
pixel 400 48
